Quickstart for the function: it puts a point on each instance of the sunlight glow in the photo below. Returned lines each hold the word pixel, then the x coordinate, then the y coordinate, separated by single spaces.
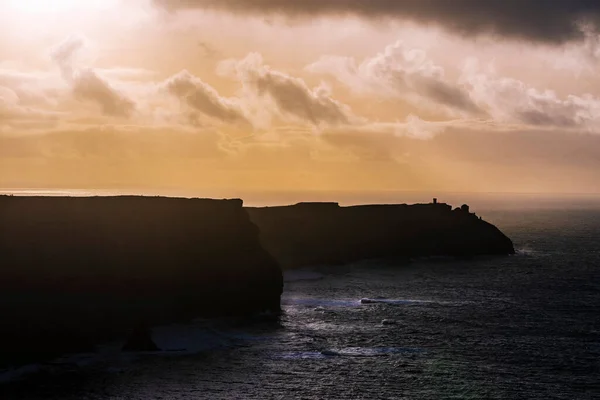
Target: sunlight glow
pixel 43 21
pixel 43 6
pixel 56 7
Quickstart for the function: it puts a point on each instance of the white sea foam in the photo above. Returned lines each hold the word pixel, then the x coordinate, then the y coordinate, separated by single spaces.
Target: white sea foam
pixel 300 355
pixel 313 303
pixel 369 351
pixel 394 301
pixel 527 252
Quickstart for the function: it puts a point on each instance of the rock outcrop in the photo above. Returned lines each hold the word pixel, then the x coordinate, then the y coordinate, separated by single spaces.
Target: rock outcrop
pixel 324 233
pixel 140 340
pixel 75 272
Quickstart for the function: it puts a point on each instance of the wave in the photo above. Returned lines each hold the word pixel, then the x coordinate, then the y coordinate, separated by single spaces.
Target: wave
pixel 527 252
pixel 317 302
pixel 394 301
pixel 320 304
pixel 300 355
pixel 370 351
pixel 350 352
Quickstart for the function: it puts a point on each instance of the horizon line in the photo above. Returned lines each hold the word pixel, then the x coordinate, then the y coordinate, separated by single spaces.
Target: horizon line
pixel 138 191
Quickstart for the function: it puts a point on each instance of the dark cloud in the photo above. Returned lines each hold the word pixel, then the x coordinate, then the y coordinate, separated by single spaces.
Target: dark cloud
pixel 552 21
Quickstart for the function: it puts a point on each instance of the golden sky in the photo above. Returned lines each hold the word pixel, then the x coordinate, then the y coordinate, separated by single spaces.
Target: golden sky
pixel 210 96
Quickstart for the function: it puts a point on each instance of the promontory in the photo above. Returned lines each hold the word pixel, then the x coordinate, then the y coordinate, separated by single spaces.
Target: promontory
pixel 309 234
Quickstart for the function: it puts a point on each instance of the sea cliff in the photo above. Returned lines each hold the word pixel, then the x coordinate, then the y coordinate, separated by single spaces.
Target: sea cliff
pixel 75 272
pixel 324 233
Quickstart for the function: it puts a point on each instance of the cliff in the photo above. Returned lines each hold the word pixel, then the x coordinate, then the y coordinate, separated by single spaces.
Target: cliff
pixel 78 271
pixel 325 233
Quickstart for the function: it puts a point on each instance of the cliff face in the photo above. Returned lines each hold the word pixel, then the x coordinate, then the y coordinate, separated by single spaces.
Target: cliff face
pixel 324 233
pixel 77 271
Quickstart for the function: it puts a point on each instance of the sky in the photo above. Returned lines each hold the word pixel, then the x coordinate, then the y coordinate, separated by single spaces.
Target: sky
pixel 230 96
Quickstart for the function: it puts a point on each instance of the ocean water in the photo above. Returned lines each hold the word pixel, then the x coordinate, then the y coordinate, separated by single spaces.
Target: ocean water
pixel 519 327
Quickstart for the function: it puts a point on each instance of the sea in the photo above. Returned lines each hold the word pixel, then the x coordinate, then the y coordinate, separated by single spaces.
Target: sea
pixel 517 327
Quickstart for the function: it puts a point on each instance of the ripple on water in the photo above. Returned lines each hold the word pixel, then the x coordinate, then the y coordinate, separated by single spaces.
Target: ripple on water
pixel 348 352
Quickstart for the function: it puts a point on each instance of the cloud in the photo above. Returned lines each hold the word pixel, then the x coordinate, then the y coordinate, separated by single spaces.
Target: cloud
pixel 32 88
pixel 554 21
pixel 207 50
pixel 64 55
pixel 124 73
pixel 16 117
pixel 205 99
pixel 400 72
pixel 510 100
pixel 290 96
pixel 87 84
pixel 409 74
pixel 415 127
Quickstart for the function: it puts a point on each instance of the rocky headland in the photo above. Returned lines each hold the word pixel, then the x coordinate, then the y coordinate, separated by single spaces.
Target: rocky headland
pixel 309 234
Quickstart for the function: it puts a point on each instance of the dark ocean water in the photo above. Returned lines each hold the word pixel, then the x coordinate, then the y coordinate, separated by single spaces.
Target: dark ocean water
pixel 519 327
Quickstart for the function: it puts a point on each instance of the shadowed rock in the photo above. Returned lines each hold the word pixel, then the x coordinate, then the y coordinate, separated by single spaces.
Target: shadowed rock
pixel 76 272
pixel 140 340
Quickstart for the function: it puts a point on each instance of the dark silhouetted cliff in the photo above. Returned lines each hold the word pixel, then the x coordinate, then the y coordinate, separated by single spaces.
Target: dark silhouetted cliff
pixel 325 233
pixel 78 271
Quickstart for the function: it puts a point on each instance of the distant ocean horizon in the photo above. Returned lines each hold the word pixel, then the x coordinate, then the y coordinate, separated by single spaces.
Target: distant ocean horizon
pixel 256 198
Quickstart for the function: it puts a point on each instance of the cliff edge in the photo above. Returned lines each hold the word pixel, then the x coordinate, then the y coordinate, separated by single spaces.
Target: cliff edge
pixel 308 234
pixel 75 272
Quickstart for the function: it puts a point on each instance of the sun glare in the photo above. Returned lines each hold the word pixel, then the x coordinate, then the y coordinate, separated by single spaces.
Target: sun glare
pixel 39 18
pixel 56 7
pixel 45 22
pixel 44 6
